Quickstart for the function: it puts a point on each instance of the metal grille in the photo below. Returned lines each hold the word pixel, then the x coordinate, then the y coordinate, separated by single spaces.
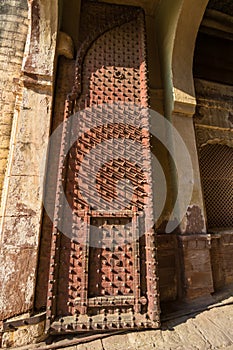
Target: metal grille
pixel 216 165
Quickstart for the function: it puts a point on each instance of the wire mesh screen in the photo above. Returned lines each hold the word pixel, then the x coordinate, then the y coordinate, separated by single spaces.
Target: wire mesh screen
pixel 216 166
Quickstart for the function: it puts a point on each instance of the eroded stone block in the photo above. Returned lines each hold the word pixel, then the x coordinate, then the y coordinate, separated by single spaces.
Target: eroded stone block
pixel 17 278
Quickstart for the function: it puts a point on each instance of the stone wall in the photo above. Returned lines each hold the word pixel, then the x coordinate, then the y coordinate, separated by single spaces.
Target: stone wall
pixel 31 107
pixel 13 31
pixel 214 125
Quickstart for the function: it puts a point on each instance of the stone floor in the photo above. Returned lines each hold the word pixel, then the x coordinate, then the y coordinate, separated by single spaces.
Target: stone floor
pixel 200 330
pixel 211 329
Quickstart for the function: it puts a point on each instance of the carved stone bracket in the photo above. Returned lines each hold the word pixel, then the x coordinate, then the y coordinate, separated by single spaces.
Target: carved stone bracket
pixel 184 103
pixel 65 46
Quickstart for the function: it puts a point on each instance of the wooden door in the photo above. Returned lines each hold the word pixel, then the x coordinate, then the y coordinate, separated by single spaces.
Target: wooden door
pixel 105 275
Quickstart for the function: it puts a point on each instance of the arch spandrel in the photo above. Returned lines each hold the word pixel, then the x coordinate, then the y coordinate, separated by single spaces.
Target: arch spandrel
pixel 188 24
pixel 177 23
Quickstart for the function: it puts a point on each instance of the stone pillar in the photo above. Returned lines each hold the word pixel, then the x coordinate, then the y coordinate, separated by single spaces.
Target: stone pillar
pixel 197 271
pixel 194 242
pixel 177 24
pixel 22 197
pixel 13 28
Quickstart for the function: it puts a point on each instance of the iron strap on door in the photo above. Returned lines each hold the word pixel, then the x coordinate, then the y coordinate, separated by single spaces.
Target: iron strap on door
pixel 104 276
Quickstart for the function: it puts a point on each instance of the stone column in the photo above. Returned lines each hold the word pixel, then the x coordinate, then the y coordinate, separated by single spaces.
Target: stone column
pixel 13 29
pixel 177 24
pixel 22 197
pixel 194 242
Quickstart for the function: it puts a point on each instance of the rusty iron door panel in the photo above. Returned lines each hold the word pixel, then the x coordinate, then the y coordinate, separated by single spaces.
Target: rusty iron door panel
pixel 103 273
pixel 112 268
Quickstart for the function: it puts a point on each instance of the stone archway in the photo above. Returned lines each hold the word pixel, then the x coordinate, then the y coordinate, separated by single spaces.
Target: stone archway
pixel 177 25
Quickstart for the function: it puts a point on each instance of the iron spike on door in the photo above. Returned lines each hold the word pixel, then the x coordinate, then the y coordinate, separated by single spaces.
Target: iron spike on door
pixel 104 277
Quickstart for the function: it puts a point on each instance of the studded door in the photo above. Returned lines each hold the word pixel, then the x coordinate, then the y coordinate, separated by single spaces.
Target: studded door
pixel 103 268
